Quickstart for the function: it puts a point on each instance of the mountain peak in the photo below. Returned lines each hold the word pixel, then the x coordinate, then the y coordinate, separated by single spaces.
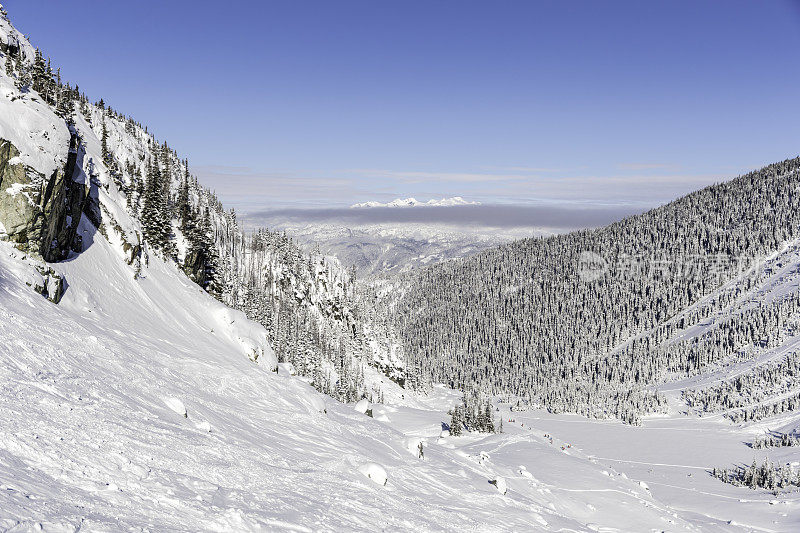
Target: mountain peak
pixel 453 201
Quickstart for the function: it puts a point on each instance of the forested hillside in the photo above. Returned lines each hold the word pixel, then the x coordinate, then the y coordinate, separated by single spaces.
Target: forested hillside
pixel 581 322
pixel 522 320
pixel 140 194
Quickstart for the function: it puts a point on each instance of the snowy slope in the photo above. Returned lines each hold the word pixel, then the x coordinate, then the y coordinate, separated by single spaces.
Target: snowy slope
pixel 135 404
pixel 118 160
pixel 771 281
pixel 141 403
pixel 28 122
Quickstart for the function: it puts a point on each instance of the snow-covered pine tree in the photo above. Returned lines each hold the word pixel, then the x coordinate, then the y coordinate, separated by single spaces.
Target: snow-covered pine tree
pixel 456 421
pixel 23 80
pixel 39 74
pixel 153 216
pixel 9 65
pixel 106 154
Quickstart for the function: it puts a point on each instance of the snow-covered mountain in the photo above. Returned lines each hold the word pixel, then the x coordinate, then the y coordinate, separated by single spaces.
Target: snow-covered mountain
pixel 582 320
pixel 379 242
pixel 378 249
pixel 413 202
pixel 135 404
pixel 162 370
pixel 72 168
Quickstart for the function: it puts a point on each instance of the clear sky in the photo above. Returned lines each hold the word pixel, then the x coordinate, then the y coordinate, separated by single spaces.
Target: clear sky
pixel 334 102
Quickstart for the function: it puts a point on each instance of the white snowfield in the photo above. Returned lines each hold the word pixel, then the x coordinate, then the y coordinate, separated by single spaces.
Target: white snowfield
pixel 132 406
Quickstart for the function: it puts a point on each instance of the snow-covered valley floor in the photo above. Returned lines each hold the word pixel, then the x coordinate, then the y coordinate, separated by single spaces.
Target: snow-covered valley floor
pixel 672 457
pixel 134 405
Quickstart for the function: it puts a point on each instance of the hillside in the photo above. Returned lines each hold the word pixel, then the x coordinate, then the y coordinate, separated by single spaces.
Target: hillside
pixel 165 371
pixel 581 322
pixel 116 178
pixel 134 403
pixel 133 398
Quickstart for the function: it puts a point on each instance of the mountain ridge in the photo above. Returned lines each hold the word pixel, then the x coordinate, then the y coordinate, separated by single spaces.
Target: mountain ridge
pixel 453 201
pixel 164 370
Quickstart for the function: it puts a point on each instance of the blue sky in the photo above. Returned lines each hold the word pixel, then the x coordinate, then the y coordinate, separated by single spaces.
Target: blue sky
pixel 303 103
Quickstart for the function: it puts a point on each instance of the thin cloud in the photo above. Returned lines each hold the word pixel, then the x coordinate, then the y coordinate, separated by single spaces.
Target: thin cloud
pixel 634 189
pixel 424 177
pixel 226 170
pixel 249 189
pixel 529 170
pixel 556 217
pixel 645 166
pixel 244 187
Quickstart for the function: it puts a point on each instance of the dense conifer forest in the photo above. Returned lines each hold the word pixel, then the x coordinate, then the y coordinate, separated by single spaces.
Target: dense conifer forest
pixel 525 322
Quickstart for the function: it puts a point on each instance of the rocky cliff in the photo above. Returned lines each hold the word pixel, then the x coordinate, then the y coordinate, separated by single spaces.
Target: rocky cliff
pixel 39 213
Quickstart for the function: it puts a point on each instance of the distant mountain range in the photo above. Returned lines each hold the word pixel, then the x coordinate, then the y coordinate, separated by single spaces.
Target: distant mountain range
pixel 413 202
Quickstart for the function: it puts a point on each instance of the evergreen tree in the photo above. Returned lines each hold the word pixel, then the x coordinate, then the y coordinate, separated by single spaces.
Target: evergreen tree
pixel 456 421
pixel 23 81
pixel 66 103
pixel 107 158
pixel 153 218
pixel 183 207
pixel 49 84
pixel 39 74
pixel 9 65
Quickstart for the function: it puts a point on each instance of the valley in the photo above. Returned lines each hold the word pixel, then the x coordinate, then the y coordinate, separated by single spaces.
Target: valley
pixel 171 363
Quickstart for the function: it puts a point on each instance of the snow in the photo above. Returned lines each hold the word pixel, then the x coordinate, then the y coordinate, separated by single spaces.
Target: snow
pixel 375 472
pixel 94 391
pixel 412 444
pixel 141 403
pixel 28 122
pixel 205 425
pixel 668 459
pixel 250 336
pixel 361 406
pixel 176 405
pixel 500 484
pixel 413 202
pixel 286 369
pixel 393 247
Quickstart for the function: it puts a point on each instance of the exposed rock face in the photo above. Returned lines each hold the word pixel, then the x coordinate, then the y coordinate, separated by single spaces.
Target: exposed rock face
pixel 52 285
pixel 62 205
pixel 42 215
pixel 20 192
pixel 195 266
